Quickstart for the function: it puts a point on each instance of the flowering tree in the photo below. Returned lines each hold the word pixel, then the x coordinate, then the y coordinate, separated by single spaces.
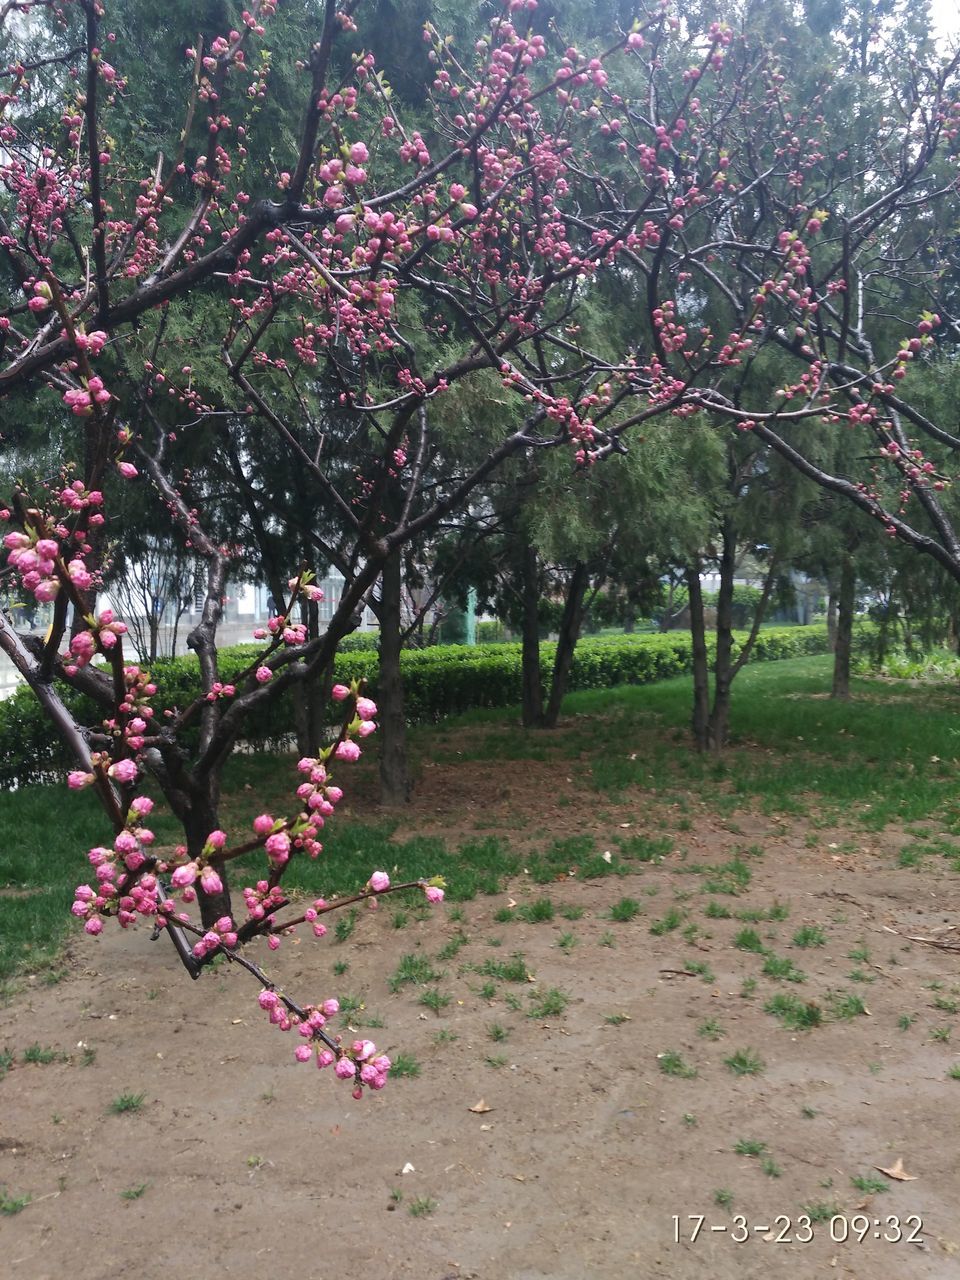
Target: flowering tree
pixel 340 306
pixel 380 273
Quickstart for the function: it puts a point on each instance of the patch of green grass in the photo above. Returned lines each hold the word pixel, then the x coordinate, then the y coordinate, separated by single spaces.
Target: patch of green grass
pixel 809 1113
pixel 750 1147
pixel 413 968
pixel 710 1029
pixel 906 1021
pixel 340 967
pixel 749 940
pixel 782 968
pixel 672 920
pixel 452 946
pixel 757 915
pixel 730 878
pixel 400 919
pixel 487 991
pixel 946 1005
pixel 40 1054
pixel 566 942
pixel 717 911
pixel 701 969
pixel 435 1000
pixel 954 1071
pixel 572 913
pixel 940 1034
pixel 125 1102
pixel 12 1204
pixel 723 1197
pixel 747 988
pixel 496 1031
pixel 541 911
pixel 845 1005
pixel 770 1167
pixel 134 1193
pixel 445 1036
pixel 869 1185
pixel 625 910
pixel 404 1066
pixel 794 1013
pixel 821 1210
pixel 497 1061
pixel 349 1005
pixel 6 1062
pixel 421 1207
pixel 343 930
pixel 616 1019
pixel 673 1063
pixel 548 1004
pixel 503 915
pixel 809 935
pixel 512 970
pixel 607 939
pixel 745 1063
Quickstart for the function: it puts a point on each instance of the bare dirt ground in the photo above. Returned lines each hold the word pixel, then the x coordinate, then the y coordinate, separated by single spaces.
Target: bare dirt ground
pixel 586 1152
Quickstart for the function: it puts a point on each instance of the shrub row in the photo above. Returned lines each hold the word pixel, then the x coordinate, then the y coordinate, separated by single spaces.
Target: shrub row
pixel 440 681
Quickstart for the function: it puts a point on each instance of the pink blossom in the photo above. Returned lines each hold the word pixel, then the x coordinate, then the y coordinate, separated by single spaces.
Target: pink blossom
pixel 263 824
pixel 345 1069
pixel 77 780
pixel 366 708
pixel 433 893
pixel 363 1049
pixel 366 728
pixel 141 805
pixel 217 839
pixel 210 882
pixel 278 846
pixel 184 876
pixel 264 674
pixel 268 999
pixel 124 771
pixel 379 881
pixel 325 1057
pixel 93 926
pixel 330 1007
pixel 338 693
pixel 359 153
pixel 347 750
pixel 303 1053
pixel 127 470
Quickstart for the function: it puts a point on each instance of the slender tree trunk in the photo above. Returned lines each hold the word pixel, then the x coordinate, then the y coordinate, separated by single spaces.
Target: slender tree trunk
pixel 719 723
pixel 570 624
pixel 846 598
pixel 394 774
pixel 832 620
pixel 701 670
pixel 532 708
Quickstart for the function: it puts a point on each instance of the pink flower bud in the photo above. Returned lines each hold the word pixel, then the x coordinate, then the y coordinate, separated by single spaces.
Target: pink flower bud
pixel 93 926
pixel 379 881
pixel 339 692
pixel 303 1053
pixel 433 893
pixel 263 675
pixel 348 751
pixel 366 708
pixel 263 825
pixel 345 1069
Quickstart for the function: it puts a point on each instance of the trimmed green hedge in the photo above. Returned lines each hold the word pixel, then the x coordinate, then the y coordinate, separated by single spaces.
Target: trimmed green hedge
pixel 440 681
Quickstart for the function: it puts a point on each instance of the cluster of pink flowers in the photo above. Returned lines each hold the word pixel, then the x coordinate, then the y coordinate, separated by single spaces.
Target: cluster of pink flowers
pixel 123 888
pixel 361 1063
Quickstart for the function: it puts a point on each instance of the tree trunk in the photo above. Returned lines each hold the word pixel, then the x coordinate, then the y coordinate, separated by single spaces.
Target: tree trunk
pixel 570 625
pixel 832 620
pixel 532 708
pixel 846 598
pixel 719 723
pixel 394 775
pixel 701 671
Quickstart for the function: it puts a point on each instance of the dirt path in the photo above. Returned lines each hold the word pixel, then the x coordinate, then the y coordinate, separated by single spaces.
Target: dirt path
pixel 593 1140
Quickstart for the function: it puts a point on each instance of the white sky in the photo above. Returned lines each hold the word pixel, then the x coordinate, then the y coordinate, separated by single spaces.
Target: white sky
pixel 946 16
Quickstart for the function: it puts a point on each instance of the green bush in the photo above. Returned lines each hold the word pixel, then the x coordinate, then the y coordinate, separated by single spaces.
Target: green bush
pixel 440 681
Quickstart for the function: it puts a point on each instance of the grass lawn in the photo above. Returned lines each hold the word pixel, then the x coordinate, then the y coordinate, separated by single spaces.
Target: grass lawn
pixel 887 756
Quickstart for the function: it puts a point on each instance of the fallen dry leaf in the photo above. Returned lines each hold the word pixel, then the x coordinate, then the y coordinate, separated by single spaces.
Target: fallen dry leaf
pixel 480 1108
pixel 897 1171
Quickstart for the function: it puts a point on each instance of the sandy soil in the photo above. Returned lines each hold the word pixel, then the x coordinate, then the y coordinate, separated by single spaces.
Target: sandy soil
pixel 243 1160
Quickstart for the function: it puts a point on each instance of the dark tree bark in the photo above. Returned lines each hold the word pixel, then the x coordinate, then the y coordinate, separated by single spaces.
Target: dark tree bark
pixel 846 599
pixel 395 783
pixel 532 708
pixel 570 625
pixel 832 620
